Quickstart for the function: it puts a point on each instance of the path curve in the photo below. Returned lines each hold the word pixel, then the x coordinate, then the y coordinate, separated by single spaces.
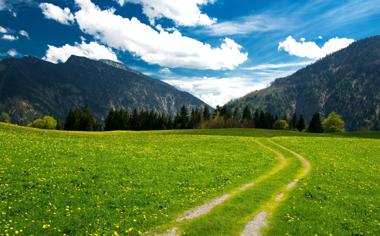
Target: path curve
pixel 208 206
pixel 255 226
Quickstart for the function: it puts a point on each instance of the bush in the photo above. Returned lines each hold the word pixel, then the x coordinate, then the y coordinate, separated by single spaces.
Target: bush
pixel 46 122
pixel 4 117
pixel 333 124
pixel 281 125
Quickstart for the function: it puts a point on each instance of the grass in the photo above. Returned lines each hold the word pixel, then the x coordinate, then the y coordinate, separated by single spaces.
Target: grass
pixel 230 218
pixel 55 182
pixel 63 182
pixel 342 194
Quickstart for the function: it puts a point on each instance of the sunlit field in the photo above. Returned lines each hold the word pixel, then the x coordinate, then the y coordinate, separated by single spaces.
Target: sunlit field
pixel 70 183
pixel 56 183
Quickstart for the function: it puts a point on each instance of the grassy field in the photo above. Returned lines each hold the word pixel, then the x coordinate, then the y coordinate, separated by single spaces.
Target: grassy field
pixel 56 183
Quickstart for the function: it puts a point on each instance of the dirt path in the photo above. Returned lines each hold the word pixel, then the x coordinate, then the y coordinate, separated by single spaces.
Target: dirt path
pixel 255 226
pixel 260 221
pixel 208 206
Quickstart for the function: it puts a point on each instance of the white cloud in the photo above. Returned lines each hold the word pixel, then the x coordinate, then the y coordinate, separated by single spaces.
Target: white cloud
pixel 278 66
pixel 12 52
pixel 3 30
pixel 182 12
pixel 51 11
pixel 91 50
pixel 9 37
pixel 167 49
pixel 24 33
pixel 217 91
pixel 311 49
pixel 2 5
pixel 12 12
pixel 165 71
pixel 245 25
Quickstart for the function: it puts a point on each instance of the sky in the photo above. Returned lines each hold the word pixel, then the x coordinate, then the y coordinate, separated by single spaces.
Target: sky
pixel 217 50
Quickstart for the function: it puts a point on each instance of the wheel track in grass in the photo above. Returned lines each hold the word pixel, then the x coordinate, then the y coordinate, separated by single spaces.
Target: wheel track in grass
pixel 260 220
pixel 208 206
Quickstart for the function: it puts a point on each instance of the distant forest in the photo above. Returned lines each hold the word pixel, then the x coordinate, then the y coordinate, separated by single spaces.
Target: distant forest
pixel 83 119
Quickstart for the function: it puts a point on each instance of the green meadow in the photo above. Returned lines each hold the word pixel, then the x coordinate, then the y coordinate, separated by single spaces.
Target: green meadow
pixel 132 183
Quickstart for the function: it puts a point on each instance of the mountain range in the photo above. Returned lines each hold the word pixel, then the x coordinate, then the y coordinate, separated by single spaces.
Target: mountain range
pixel 347 82
pixel 30 88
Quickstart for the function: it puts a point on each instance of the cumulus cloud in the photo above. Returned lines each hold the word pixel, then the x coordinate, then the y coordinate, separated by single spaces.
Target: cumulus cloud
pixel 24 33
pixel 12 52
pixel 3 30
pixel 182 12
pixel 217 91
pixel 167 49
pixel 91 50
pixel 310 49
pixel 9 37
pixel 51 11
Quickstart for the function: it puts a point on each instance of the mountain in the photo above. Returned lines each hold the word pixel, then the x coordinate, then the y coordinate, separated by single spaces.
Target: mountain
pixel 30 88
pixel 347 82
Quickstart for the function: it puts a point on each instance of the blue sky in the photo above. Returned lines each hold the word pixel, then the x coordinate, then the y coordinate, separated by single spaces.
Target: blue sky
pixel 216 49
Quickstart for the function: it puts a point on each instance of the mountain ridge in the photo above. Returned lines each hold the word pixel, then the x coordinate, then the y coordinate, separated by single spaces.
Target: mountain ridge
pixel 347 82
pixel 30 88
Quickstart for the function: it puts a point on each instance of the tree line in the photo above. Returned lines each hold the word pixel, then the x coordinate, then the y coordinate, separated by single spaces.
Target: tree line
pixel 83 119
pixel 198 118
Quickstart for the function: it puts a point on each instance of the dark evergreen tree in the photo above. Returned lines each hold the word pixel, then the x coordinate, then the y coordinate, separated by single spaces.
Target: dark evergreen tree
pixel 81 120
pixel 109 121
pixel 315 125
pixel 134 120
pixel 216 112
pixel 195 118
pixel 183 118
pixel 236 114
pixel 72 119
pixel 301 123
pixel 87 121
pixel 206 113
pixel 293 122
pixel 247 115
pixel 256 119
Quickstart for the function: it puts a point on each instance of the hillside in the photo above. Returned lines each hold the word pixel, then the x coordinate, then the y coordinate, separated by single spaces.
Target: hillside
pixel 347 82
pixel 30 87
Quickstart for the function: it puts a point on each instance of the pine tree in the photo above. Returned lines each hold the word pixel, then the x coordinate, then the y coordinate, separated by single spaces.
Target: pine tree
pixel 206 114
pixel 236 114
pixel 134 120
pixel 293 122
pixel 72 119
pixel 256 119
pixel 315 125
pixel 247 115
pixel 301 123
pixel 183 118
pixel 109 121
pixel 87 121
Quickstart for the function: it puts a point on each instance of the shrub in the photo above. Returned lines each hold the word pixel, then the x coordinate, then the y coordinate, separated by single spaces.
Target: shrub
pixel 281 124
pixel 46 122
pixel 4 117
pixel 333 123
